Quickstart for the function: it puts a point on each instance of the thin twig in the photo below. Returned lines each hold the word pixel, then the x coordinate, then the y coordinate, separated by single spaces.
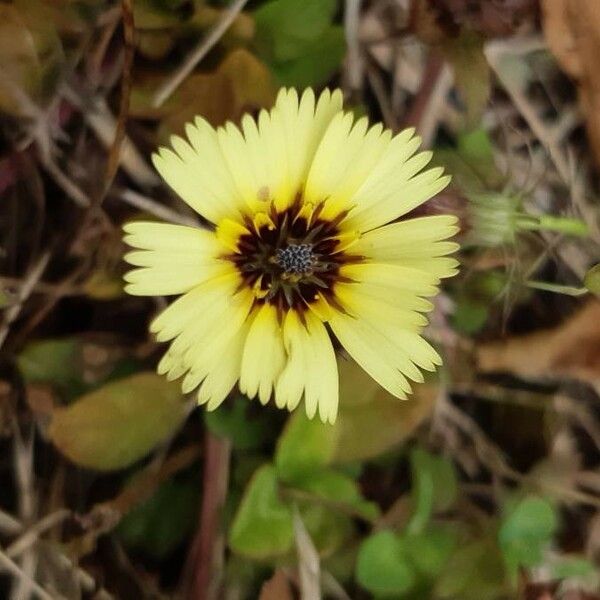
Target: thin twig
pixel 378 86
pixel 31 536
pixel 23 453
pixel 494 52
pixel 9 525
pixel 198 53
pixel 13 567
pixel 155 208
pixel 424 112
pixel 105 516
pixel 71 189
pixel 353 57
pixel 28 286
pixel 129 50
pixel 309 565
pixel 207 553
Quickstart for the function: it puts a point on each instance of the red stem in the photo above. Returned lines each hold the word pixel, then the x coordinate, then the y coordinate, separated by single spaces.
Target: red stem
pixel 209 545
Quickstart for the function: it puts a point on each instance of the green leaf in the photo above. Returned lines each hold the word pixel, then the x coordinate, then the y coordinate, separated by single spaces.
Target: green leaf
pixel 568 567
pixel 435 487
pixel 338 488
pixel 476 147
pixel 526 531
pixel 474 572
pixel 533 517
pixel 471 163
pixel 317 64
pixel 329 529
pixel 119 423
pixel 160 524
pixel 262 527
pixel 592 280
pixel 475 298
pixel 286 29
pixel 299 41
pixel 56 361
pixel 371 421
pixel 429 551
pixel 233 423
pixel 383 567
pixel 305 445
pixel 469 315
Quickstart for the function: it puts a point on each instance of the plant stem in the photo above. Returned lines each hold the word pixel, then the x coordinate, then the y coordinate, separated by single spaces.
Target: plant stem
pixel 567 290
pixel 209 545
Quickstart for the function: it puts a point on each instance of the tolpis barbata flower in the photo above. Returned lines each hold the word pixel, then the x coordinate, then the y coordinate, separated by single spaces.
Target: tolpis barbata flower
pixel 305 243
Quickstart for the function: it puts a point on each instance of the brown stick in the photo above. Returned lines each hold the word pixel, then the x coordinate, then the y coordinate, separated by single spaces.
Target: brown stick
pixel 433 69
pixel 209 545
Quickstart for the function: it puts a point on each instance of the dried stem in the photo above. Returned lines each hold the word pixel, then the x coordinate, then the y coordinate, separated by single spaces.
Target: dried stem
pixel 26 289
pixel 20 575
pixel 206 558
pixel 198 53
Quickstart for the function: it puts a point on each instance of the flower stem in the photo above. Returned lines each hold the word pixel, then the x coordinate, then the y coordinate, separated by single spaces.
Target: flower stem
pixel 567 290
pixel 207 552
pixel 565 225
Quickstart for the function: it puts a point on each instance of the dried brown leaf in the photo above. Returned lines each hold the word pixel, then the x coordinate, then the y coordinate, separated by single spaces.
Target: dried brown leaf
pixel 572 31
pixel 569 351
pixel 277 588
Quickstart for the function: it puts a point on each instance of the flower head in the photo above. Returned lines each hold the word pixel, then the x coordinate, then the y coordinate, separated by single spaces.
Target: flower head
pixel 303 242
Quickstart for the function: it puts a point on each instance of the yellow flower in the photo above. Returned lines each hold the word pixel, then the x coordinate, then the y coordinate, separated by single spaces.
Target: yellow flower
pixel 300 244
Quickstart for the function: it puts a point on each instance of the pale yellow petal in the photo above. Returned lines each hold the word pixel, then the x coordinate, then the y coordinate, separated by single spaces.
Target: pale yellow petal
pixel 173 258
pixel 394 185
pixel 393 201
pixel 291 382
pixel 303 124
pixel 213 341
pixel 354 299
pixel 396 277
pixel 201 356
pixel 224 373
pixel 173 320
pixel 197 171
pixel 263 357
pixel 170 279
pixel 370 353
pixel 413 238
pixel 322 386
pixel 165 237
pixel 235 151
pixel 345 157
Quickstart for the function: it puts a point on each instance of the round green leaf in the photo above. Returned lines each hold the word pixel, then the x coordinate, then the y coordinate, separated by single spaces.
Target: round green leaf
pixel 435 486
pixel 430 550
pixel 525 532
pixel 304 445
pixel 532 518
pixel 383 567
pixel 56 361
pixel 474 571
pixel 233 423
pixel 262 527
pixel 119 423
pixel 339 488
